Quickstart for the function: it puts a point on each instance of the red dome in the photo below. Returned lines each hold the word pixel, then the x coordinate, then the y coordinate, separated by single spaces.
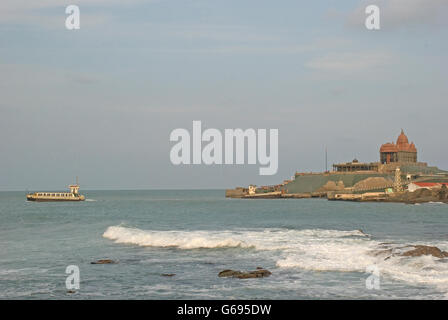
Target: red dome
pixel 402 145
pixel 402 140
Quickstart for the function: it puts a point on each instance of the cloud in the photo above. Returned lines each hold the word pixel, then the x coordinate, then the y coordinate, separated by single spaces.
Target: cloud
pixel 349 62
pixel 213 32
pixel 403 13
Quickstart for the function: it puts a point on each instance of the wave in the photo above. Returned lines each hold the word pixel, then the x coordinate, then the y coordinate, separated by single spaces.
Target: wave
pixel 309 249
pixel 268 239
pixel 353 255
pixel 179 239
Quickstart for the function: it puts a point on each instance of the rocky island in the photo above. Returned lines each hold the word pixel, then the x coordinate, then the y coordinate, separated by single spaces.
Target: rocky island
pixel 396 177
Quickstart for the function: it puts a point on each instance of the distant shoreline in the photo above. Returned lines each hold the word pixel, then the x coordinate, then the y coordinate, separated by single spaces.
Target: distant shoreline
pixel 29 190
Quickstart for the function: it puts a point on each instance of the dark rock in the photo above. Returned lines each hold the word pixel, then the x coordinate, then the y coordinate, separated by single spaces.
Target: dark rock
pixel 228 273
pixel 259 273
pixel 103 261
pixel 420 250
pixel 410 251
pixel 168 274
pixel 247 275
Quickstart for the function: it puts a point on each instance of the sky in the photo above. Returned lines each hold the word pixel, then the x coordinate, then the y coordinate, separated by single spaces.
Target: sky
pixel 100 102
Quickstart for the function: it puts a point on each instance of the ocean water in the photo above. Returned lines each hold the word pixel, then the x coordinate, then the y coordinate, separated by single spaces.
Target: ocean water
pixel 313 247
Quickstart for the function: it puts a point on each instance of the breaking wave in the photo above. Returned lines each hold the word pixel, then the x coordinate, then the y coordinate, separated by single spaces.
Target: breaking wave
pixel 179 239
pixel 351 254
pixel 310 249
pixel 268 239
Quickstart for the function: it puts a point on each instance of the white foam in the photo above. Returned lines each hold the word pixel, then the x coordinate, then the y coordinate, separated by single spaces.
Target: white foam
pixel 180 239
pixel 310 249
pixel 346 255
pixel 268 239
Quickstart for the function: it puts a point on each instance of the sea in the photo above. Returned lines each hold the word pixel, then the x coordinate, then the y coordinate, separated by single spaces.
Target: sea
pixel 172 244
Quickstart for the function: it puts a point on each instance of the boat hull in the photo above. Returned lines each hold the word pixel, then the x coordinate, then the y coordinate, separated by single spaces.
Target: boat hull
pixel 41 199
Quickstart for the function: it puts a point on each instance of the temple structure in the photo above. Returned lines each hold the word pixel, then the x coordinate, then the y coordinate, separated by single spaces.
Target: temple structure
pixel 402 151
pixel 391 156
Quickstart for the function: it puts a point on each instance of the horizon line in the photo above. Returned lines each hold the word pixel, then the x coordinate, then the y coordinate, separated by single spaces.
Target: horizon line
pixel 130 189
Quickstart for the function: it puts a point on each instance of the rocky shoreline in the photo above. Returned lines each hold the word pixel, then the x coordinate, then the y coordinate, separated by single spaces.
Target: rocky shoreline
pixel 423 195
